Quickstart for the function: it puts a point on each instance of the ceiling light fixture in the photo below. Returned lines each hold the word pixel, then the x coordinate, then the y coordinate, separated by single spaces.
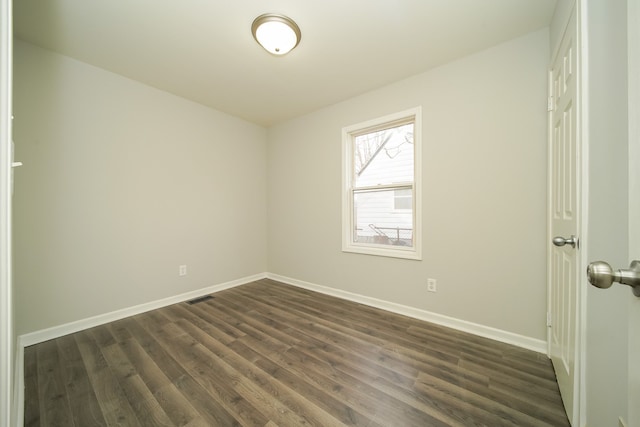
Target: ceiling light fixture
pixel 278 34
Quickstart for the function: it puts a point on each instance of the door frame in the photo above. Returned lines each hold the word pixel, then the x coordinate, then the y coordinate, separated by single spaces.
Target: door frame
pixel 583 128
pixel 633 64
pixel 7 339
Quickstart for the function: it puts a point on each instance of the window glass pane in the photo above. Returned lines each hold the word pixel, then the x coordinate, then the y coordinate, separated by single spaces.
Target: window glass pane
pixel 376 220
pixel 384 157
pixel 402 199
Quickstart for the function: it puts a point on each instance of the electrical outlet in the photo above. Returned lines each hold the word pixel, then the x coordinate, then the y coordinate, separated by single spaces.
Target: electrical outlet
pixel 432 285
pixel 182 270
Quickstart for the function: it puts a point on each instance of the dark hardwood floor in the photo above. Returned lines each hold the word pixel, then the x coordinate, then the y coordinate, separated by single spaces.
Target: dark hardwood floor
pixel 268 354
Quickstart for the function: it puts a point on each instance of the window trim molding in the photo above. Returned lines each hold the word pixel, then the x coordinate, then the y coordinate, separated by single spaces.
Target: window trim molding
pixel 350 132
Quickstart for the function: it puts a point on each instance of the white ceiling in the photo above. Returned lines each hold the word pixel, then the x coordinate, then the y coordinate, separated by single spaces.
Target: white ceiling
pixel 203 50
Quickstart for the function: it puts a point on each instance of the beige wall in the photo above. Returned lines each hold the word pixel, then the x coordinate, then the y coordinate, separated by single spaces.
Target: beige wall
pixel 484 192
pixel 561 16
pixel 121 184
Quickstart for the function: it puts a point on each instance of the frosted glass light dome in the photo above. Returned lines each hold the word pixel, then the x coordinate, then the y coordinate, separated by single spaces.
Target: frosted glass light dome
pixel 278 34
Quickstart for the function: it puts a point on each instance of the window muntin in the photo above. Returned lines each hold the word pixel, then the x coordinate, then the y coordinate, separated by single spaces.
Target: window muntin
pixel 381 197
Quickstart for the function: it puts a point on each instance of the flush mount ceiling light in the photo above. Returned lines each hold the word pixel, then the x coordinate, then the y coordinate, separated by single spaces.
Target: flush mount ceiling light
pixel 278 34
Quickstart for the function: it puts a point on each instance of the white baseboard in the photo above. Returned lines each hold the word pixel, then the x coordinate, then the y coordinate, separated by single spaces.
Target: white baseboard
pixel 32 338
pixel 522 341
pixel 539 346
pixel 69 328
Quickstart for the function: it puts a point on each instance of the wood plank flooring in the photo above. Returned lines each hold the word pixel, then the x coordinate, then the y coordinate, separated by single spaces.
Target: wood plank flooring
pixel 269 354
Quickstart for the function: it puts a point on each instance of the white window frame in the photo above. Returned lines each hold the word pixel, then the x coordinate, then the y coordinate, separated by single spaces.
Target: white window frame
pixel 348 136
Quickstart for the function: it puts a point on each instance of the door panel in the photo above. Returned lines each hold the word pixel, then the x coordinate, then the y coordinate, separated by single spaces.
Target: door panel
pixel 564 217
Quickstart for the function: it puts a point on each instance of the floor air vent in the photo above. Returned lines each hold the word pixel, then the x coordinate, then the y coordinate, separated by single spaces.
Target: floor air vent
pixel 201 299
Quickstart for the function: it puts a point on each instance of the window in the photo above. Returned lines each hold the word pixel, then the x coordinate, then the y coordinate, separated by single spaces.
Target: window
pixel 381 186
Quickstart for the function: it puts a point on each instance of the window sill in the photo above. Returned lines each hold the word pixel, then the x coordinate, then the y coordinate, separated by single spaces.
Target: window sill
pixel 384 251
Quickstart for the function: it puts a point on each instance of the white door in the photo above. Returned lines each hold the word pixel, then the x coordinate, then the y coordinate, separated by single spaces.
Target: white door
pixel 563 277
